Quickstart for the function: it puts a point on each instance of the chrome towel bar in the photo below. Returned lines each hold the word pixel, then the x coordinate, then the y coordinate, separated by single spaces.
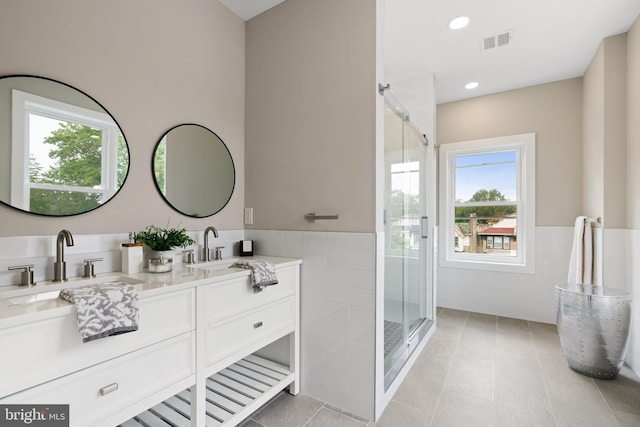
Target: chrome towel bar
pixel 313 217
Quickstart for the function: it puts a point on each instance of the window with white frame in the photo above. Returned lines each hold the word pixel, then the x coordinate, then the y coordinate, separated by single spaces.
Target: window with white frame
pixel 66 159
pixel 488 203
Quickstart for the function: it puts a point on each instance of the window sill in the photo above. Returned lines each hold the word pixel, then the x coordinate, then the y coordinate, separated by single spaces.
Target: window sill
pixel 486 265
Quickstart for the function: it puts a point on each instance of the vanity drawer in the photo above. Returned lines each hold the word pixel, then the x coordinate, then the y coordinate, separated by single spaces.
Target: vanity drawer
pixel 47 349
pixel 107 389
pixel 237 295
pixel 255 328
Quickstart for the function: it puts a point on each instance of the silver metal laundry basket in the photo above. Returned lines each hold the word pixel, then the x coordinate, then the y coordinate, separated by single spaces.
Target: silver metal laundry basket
pixel 593 324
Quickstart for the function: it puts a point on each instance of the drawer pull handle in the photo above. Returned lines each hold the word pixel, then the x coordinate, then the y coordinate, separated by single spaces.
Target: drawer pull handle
pixel 108 389
pixel 257 325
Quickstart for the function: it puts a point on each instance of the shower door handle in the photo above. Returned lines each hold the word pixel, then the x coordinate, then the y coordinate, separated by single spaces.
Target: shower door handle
pixel 424 227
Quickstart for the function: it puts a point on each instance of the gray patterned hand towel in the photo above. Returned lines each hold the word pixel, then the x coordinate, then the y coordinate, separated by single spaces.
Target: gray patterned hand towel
pixel 105 309
pixel 263 272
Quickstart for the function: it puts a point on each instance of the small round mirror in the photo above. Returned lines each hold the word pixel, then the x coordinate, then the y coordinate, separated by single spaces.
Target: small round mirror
pixel 194 170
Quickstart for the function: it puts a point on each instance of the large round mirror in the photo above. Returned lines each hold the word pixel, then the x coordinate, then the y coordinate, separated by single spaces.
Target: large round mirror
pixel 194 170
pixel 61 152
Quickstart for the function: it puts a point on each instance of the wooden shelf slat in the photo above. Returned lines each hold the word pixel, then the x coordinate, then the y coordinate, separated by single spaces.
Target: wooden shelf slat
pixel 231 395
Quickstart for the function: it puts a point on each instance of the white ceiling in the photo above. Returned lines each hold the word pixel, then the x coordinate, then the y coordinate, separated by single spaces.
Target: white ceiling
pixel 552 40
pixel 247 9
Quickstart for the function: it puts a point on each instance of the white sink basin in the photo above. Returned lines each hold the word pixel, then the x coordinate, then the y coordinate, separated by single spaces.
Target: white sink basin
pixel 31 298
pixel 215 265
pixel 48 290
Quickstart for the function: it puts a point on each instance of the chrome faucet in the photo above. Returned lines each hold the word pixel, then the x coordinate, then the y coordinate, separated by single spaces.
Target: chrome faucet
pixel 206 256
pixel 60 266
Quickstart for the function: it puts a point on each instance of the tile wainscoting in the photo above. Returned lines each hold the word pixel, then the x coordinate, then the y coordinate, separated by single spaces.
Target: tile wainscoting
pixel 631 257
pixel 41 251
pixel 532 296
pixel 337 312
pixel 521 296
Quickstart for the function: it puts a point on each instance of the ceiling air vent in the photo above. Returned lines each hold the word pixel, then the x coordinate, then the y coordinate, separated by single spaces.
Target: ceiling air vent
pixel 504 38
pixel 489 43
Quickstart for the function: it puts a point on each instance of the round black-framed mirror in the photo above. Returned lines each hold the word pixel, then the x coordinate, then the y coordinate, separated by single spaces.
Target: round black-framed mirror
pixel 193 170
pixel 61 152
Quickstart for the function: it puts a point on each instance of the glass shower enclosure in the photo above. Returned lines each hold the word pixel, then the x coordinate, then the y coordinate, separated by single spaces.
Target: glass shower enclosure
pixel 407 310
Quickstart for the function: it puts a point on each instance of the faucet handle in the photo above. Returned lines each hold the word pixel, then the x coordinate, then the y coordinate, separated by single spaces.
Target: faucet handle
pixel 89 267
pixel 188 256
pixel 26 276
pixel 217 255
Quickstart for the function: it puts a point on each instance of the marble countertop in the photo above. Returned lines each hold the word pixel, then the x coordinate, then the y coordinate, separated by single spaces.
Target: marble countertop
pixel 183 276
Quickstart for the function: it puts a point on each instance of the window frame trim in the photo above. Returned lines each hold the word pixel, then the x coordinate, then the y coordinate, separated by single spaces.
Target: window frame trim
pixel 22 105
pixel 524 262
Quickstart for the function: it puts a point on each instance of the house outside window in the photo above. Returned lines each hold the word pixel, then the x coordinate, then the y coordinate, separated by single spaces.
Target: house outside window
pixel 488 203
pixel 496 239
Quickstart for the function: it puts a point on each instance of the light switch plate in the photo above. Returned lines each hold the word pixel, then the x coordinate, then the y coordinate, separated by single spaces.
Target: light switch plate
pixel 248 216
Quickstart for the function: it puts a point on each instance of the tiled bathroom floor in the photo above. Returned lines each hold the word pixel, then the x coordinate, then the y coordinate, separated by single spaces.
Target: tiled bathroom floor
pixel 481 370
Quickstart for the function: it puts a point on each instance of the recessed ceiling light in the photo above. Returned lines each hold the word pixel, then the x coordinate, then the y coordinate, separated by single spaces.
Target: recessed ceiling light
pixel 471 85
pixel 459 22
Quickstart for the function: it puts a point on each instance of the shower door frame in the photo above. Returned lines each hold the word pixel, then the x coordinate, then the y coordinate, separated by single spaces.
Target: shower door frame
pixel 415 339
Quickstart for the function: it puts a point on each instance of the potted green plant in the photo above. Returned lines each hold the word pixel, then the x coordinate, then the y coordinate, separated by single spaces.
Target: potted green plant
pixel 160 241
pixel 163 239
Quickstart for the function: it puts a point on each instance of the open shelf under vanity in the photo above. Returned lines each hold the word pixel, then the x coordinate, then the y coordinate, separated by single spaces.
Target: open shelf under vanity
pixel 231 395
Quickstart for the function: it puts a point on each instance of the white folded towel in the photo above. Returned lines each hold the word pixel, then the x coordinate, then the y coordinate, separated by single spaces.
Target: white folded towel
pixel 105 309
pixel 581 263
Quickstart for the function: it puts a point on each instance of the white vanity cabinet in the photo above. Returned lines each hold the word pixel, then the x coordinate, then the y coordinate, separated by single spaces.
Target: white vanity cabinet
pixel 47 348
pixel 209 351
pixel 106 380
pixel 236 329
pixel 240 320
pixel 105 394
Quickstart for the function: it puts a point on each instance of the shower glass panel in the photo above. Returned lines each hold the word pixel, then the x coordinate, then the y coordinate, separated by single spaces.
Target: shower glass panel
pixel 405 313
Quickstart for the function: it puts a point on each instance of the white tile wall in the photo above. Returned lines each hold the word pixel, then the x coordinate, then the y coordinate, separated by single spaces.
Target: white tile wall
pixel 615 249
pixel 41 251
pixel 633 285
pixel 522 296
pixel 337 312
pixel 532 297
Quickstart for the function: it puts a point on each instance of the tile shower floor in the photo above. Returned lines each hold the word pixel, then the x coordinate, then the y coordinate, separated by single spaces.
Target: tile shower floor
pixel 482 370
pixel 392 336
